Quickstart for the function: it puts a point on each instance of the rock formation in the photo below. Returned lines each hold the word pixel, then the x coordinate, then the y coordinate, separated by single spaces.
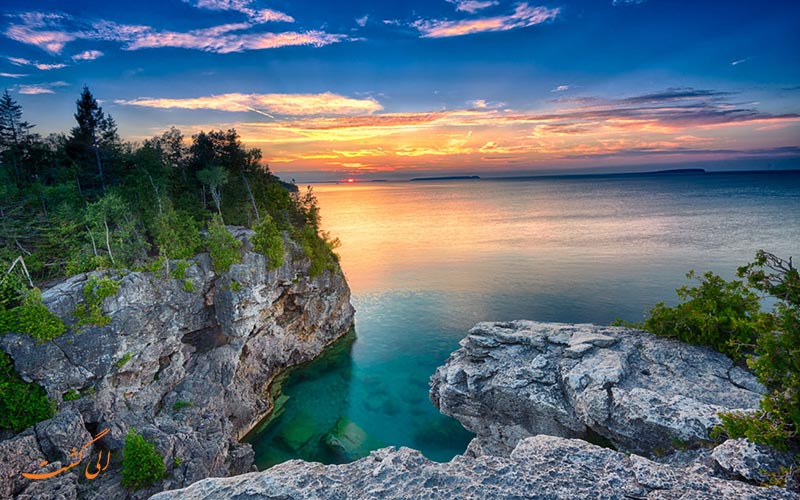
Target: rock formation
pixel 541 467
pixel 187 369
pixel 636 391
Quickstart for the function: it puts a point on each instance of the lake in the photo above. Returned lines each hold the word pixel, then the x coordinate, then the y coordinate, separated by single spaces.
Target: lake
pixel 428 260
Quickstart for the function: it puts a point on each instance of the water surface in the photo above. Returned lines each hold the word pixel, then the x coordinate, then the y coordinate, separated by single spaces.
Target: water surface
pixel 427 260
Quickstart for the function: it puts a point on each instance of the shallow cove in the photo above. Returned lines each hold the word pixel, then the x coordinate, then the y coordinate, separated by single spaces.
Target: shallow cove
pixel 427 260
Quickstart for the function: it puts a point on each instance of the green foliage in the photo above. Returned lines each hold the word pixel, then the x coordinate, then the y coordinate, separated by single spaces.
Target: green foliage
pixel 179 271
pixel 717 313
pixel 142 466
pixel 21 404
pixel 94 292
pixel 177 461
pixel 176 234
pixel 318 247
pixel 268 241
pixel 188 286
pixel 181 404
pixel 71 395
pixel 728 317
pixel 30 317
pixel 235 286
pixel 124 359
pixel 222 245
pixel 759 427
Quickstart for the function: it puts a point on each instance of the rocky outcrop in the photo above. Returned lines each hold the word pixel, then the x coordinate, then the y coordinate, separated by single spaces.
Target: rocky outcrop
pixel 187 369
pixel 542 467
pixel 636 391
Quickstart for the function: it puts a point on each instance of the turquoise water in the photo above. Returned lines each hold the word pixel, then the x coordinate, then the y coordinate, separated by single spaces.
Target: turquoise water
pixel 426 261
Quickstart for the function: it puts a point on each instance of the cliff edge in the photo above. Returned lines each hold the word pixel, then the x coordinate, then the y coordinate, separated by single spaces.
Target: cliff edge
pixel 186 362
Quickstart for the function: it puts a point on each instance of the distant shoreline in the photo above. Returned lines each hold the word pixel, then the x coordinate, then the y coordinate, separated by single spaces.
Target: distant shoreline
pixel 653 173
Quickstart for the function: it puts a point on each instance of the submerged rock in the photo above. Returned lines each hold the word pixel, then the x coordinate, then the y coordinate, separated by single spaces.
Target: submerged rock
pixel 542 467
pixel 347 441
pixel 188 370
pixel 639 392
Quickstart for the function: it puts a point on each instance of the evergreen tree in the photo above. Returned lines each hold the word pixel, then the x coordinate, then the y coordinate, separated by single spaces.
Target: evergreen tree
pixel 96 132
pixel 13 133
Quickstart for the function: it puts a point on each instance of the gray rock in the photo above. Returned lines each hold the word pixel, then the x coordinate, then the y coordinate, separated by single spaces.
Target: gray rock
pixel 641 392
pixel 188 370
pixel 750 461
pixel 541 467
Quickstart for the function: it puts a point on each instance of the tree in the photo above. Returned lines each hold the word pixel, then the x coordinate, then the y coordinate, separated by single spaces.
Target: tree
pixel 214 177
pixel 13 131
pixel 94 132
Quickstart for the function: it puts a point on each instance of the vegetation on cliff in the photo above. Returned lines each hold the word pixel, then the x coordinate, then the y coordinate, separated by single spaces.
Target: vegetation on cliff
pixel 727 316
pixel 142 466
pixel 86 200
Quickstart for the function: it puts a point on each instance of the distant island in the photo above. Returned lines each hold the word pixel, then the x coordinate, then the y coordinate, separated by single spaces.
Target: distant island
pixel 679 171
pixel 446 178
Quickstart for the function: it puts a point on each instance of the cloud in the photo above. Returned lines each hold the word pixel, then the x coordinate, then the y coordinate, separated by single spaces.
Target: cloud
pixel 21 61
pixel 12 75
pixel 740 61
pixel 48 67
pixel 245 7
pixel 473 6
pixel 42 88
pixel 627 2
pixel 87 55
pixel 51 32
pixel 523 16
pixel 279 104
pixel 561 88
pixel 362 21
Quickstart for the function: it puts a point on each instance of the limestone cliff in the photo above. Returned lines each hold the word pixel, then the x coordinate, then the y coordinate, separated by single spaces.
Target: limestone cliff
pixel 528 389
pixel 188 369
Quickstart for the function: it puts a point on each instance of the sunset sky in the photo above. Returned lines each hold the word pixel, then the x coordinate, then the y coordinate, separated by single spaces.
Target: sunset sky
pixel 400 89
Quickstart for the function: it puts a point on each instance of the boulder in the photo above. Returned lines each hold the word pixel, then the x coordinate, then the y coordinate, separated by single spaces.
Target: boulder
pixel 636 391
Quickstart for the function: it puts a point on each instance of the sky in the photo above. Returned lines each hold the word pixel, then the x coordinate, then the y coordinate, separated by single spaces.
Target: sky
pixel 375 90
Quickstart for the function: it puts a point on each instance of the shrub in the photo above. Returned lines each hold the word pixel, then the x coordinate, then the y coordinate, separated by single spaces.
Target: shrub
pixel 222 245
pixel 268 241
pixel 717 313
pixel 319 249
pixel 176 233
pixel 94 292
pixel 188 286
pixel 124 359
pixel 31 317
pixel 21 404
pixel 181 404
pixel 142 466
pixel 179 271
pixel 71 395
pixel 728 317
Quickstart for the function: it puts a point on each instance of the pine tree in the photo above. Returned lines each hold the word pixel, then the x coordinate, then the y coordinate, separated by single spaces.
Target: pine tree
pixel 94 131
pixel 13 131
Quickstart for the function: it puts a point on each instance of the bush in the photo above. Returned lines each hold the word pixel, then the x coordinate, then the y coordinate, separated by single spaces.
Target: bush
pixel 716 313
pixel 728 317
pixel 94 292
pixel 142 466
pixel 176 233
pixel 31 317
pixel 222 245
pixel 179 271
pixel 319 249
pixel 21 404
pixel 268 241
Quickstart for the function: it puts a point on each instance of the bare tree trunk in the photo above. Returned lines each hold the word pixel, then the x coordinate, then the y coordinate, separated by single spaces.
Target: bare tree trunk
pixel 94 247
pixel 108 245
pixel 158 197
pixel 252 198
pixel 21 261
